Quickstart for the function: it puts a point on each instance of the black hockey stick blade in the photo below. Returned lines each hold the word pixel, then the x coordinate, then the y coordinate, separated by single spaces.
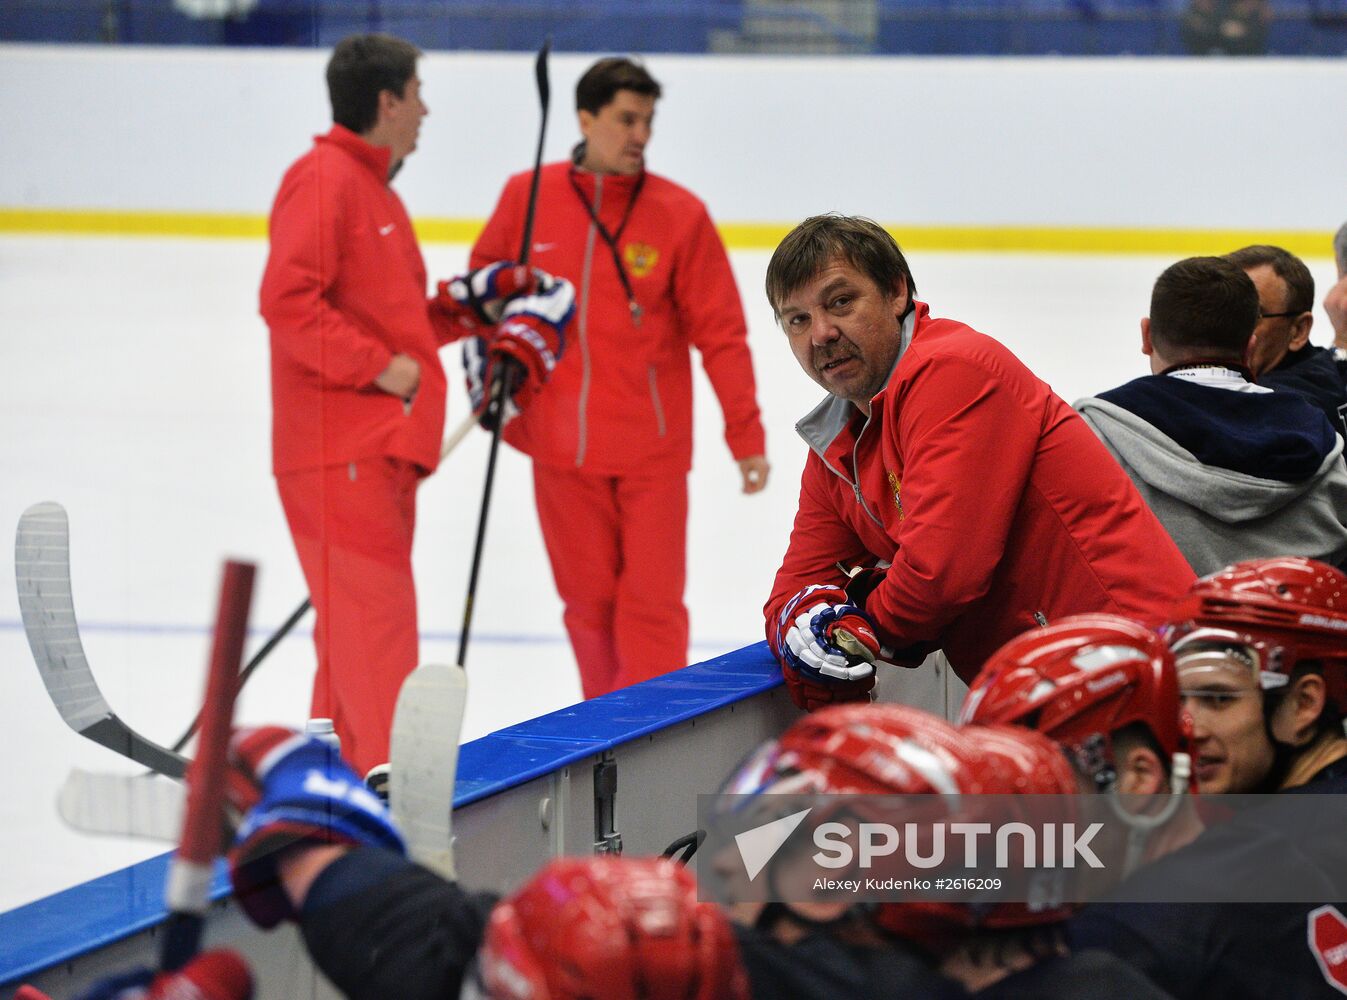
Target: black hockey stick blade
pixel 544 100
pixel 42 572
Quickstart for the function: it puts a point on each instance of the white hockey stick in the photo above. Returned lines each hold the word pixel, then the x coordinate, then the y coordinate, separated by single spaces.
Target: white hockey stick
pixel 452 439
pixel 144 806
pixel 424 761
pixel 42 572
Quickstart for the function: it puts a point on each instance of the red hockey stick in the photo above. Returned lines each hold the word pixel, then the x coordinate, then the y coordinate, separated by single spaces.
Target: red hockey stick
pixel 189 875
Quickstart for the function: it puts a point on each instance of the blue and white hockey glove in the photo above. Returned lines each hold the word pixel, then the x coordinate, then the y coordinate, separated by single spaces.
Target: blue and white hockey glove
pixel 827 648
pixel 308 796
pixel 485 291
pixel 529 342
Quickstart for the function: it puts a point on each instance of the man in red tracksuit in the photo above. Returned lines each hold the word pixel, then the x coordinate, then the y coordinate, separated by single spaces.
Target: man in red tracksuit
pixel 979 502
pixel 358 391
pixel 611 435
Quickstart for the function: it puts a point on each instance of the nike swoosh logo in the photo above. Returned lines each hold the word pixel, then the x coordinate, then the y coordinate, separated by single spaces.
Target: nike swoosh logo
pixel 385 230
pixel 541 247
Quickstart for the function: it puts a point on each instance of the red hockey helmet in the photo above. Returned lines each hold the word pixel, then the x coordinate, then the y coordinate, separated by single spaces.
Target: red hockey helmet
pixel 881 749
pixel 1007 760
pixel 610 928
pixel 1079 681
pixel 1280 612
pixel 889 749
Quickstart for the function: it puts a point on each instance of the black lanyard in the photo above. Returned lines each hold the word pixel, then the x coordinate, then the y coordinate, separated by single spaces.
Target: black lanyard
pixel 612 238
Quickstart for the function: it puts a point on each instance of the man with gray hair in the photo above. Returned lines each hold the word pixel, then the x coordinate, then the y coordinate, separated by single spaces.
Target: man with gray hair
pixel 979 504
pixel 1233 469
pixel 1335 302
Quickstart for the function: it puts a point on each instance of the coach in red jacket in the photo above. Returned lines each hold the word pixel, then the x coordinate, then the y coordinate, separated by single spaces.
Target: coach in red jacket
pixel 357 387
pixel 611 435
pixel 938 455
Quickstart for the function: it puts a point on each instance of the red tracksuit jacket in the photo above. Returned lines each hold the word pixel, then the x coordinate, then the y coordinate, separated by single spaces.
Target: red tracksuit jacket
pixel 344 290
pixel 620 399
pixel 992 499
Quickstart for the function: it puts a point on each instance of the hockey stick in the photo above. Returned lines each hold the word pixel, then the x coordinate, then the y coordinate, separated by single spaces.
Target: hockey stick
pixel 145 806
pixel 42 573
pixel 424 761
pixel 187 892
pixel 496 402
pixel 544 99
pixel 253 664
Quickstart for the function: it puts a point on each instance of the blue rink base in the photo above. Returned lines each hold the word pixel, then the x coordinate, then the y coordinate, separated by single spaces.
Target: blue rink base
pixel 71 923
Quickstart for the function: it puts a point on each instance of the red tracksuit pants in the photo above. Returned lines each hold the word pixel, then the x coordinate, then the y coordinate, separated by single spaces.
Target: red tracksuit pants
pixel 352 526
pixel 617 545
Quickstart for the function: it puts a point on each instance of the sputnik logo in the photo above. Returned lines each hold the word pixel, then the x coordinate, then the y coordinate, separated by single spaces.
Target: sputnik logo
pixel 760 844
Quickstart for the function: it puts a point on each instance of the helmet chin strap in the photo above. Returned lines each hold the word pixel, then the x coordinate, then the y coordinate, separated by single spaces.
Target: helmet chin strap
pixel 1140 827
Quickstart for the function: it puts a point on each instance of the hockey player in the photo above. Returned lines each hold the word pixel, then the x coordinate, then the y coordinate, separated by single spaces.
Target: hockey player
pixel 1262 653
pixel 1105 689
pixel 1262 666
pixel 323 852
pixel 936 453
pixel 357 387
pixel 611 435
pixel 1004 949
pixel 319 849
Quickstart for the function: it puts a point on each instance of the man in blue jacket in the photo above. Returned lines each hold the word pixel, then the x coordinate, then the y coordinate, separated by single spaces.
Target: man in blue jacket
pixel 1282 356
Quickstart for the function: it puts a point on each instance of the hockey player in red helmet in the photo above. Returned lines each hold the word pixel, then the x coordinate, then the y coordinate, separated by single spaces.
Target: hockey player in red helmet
pixel 1261 649
pixel 1105 689
pixel 319 850
pixel 998 950
pixel 1261 654
pixel 609 927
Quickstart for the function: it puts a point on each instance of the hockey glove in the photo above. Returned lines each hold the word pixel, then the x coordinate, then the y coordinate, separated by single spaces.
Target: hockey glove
pixel 213 975
pixel 308 796
pixel 827 648
pixel 526 347
pixel 474 301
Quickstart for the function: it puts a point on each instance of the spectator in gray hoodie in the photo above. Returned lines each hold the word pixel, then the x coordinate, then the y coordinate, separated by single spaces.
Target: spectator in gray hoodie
pixel 1232 469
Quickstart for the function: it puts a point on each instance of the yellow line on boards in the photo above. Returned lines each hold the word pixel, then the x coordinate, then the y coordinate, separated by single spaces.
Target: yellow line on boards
pixel 737 235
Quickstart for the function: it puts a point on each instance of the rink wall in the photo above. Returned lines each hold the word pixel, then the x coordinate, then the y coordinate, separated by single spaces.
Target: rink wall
pixel 1111 155
pixel 624 769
